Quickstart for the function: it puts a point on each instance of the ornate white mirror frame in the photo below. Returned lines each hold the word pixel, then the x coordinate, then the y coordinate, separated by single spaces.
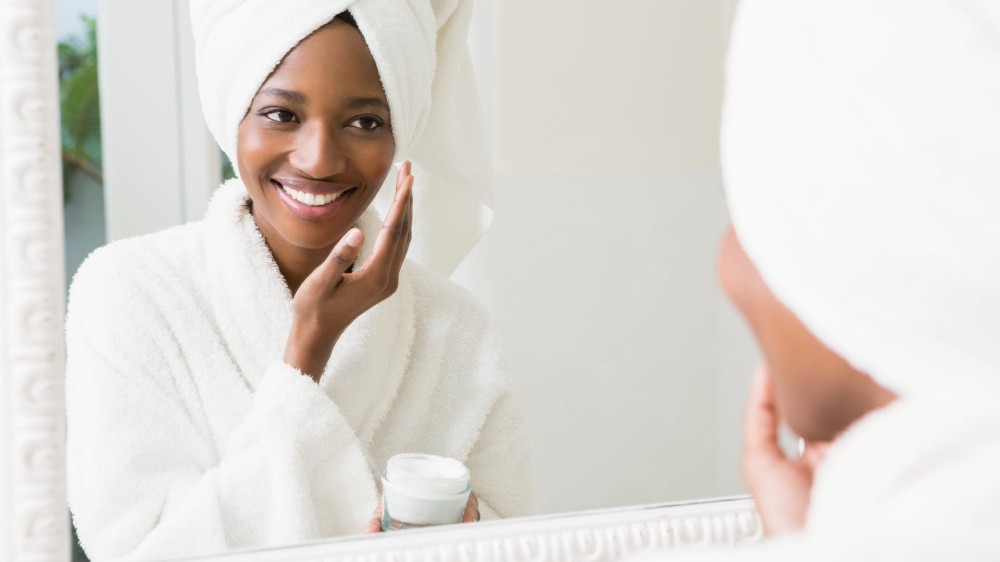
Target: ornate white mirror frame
pixel 33 517
pixel 34 522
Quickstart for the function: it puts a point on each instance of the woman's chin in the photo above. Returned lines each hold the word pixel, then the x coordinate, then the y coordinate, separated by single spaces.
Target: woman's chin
pixel 316 244
pixel 315 236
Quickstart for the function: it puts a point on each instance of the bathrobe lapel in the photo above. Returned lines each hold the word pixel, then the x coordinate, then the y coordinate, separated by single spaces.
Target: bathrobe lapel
pixel 253 307
pixel 251 302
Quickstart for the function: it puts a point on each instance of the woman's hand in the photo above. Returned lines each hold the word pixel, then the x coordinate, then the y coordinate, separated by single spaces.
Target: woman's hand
pixel 329 299
pixel 780 486
pixel 471 514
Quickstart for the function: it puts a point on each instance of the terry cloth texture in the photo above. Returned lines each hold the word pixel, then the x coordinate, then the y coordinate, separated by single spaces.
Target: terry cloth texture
pixel 187 434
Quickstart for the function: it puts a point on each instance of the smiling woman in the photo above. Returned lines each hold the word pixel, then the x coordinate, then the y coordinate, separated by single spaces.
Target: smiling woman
pixel 284 340
pixel 315 147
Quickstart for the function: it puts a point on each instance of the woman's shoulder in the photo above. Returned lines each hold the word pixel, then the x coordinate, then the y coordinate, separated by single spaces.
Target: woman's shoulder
pixel 127 268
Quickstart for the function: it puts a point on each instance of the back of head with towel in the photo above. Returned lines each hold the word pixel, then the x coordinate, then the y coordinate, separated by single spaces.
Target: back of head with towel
pixel 861 159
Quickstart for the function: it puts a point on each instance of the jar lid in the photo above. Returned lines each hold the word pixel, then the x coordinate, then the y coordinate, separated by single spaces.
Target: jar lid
pixel 428 474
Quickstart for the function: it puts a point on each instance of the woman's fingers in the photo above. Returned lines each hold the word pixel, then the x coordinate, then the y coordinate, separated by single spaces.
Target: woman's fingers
pixel 404 171
pixel 396 228
pixel 760 420
pixel 471 514
pixel 341 257
pixel 404 244
pixel 374 525
pixel 780 487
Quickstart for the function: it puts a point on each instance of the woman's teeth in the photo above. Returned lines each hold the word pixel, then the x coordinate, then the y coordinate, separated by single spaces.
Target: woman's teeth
pixel 311 199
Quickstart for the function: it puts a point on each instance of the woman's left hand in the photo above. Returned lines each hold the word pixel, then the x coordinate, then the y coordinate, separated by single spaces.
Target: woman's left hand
pixel 780 486
pixel 471 514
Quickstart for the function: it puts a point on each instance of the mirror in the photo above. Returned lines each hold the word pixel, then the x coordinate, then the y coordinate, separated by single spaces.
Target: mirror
pixel 598 270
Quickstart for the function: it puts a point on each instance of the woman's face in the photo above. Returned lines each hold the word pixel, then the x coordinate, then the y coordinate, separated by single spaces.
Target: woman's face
pixel 316 143
pixel 817 392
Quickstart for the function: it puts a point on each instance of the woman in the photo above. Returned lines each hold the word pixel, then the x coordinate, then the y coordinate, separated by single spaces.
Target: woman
pixel 241 381
pixel 860 155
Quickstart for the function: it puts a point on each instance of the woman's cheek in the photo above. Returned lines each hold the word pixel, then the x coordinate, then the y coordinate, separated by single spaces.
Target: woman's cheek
pixel 378 161
pixel 253 147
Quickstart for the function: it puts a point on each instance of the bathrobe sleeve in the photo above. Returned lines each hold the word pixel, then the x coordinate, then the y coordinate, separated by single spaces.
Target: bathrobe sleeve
pixel 500 463
pixel 146 478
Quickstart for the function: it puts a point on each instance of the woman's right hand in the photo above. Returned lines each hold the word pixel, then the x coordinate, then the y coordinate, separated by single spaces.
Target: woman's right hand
pixel 330 298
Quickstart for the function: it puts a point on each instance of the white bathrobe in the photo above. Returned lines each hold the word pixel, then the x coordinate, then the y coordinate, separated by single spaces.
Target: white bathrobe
pixel 188 434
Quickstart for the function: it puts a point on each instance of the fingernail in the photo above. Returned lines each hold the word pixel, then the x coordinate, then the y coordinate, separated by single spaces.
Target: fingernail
pixel 353 238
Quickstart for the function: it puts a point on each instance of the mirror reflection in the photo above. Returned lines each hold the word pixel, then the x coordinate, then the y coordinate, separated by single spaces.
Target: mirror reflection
pixel 245 379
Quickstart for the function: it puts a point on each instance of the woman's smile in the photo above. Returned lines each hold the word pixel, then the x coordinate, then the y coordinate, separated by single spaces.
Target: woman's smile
pixel 312 200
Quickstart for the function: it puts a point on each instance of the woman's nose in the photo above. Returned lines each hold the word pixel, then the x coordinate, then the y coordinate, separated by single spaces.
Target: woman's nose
pixel 318 153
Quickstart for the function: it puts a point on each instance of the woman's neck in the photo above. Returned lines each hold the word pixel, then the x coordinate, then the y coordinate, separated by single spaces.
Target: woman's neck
pixel 294 262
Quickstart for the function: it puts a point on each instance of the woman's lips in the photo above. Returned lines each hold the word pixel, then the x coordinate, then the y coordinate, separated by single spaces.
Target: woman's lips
pixel 311 205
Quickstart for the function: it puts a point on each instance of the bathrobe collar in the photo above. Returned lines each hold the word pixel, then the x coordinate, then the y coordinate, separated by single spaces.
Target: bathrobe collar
pixel 253 306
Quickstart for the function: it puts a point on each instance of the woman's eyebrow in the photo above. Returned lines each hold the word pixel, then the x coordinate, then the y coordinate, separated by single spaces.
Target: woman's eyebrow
pixel 288 95
pixel 360 102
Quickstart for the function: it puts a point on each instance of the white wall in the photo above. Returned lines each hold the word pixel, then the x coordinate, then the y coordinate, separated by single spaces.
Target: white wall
pixel 737 355
pixel 600 266
pixel 160 163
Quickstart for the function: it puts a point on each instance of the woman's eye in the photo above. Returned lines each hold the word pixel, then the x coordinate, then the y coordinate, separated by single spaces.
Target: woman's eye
pixel 367 123
pixel 280 115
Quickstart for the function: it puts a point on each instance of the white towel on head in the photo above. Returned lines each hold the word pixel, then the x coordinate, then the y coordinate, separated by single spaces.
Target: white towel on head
pixel 861 154
pixel 420 49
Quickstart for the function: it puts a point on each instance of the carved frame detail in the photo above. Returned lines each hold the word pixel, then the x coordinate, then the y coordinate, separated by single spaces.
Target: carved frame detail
pixel 597 536
pixel 34 522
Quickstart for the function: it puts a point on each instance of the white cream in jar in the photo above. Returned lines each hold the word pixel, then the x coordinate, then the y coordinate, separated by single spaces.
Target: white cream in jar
pixel 421 490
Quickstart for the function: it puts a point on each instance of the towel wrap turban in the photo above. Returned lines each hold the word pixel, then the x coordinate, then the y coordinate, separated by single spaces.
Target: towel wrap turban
pixel 861 159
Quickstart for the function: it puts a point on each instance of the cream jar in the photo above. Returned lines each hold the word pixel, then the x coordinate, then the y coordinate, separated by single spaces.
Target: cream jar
pixel 423 490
